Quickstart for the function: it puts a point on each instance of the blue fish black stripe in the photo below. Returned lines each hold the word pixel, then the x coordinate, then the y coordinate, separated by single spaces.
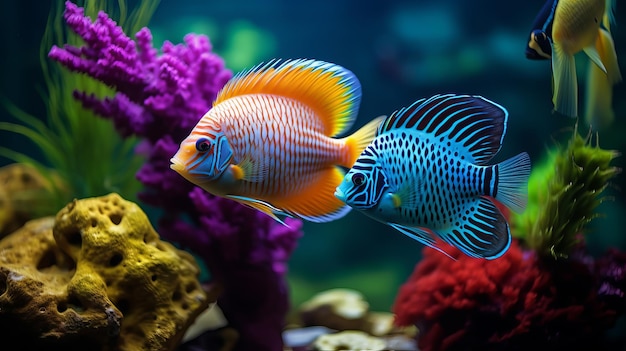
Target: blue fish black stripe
pixel 487 187
pixel 369 161
pixel 482 234
pixel 424 119
pixel 455 240
pixel 442 121
pixel 432 110
pixel 361 168
pixel 481 147
pixel 469 127
pixel 469 242
pixel 475 132
pixel 494 181
pixel 404 115
pixel 484 211
pixel 482 223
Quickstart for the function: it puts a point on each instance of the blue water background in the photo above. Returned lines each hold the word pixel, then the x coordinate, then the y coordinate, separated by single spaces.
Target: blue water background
pixel 401 51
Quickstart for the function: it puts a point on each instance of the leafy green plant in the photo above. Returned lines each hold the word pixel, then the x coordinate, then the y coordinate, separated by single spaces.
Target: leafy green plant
pixel 83 156
pixel 564 192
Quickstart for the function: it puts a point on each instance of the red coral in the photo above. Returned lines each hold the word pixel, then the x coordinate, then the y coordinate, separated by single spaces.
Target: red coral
pixel 513 302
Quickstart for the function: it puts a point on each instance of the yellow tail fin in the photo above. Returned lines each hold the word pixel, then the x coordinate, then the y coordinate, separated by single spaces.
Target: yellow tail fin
pixel 599 92
pixel 358 141
pixel 606 49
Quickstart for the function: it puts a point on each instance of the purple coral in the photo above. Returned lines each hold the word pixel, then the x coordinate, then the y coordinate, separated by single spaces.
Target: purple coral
pixel 157 95
pixel 160 97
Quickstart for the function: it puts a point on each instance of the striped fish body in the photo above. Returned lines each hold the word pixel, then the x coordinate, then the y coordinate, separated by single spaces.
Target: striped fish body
pixel 281 138
pixel 440 182
pixel 426 175
pixel 270 140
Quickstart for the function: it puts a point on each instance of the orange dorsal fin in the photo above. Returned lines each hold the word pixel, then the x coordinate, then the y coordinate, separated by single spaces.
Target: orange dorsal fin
pixel 332 91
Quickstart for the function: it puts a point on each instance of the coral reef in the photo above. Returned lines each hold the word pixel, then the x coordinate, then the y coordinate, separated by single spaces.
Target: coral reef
pixel 514 303
pixel 97 277
pixel 159 97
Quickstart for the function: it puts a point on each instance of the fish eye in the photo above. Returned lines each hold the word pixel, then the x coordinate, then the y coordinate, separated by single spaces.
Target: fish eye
pixel 203 145
pixel 358 179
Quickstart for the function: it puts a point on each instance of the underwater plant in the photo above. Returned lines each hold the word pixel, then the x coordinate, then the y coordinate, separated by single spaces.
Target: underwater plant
pixel 160 95
pixel 83 156
pixel 564 192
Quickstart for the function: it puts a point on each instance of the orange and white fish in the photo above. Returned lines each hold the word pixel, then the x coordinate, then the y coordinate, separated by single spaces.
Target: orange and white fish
pixel 269 140
pixel 577 27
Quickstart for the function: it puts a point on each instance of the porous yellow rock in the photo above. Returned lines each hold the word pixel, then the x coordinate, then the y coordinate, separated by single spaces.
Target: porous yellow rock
pixel 20 186
pixel 98 277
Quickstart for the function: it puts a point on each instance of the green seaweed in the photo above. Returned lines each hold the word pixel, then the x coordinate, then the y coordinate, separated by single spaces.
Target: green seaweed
pixel 564 192
pixel 83 155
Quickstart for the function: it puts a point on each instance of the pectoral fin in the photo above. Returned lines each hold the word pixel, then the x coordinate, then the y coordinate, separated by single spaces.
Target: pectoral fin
pixel 262 206
pixel 407 195
pixel 594 56
pixel 420 235
pixel 249 170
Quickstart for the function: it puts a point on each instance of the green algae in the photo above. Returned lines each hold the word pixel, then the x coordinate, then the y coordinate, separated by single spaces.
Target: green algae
pixel 565 190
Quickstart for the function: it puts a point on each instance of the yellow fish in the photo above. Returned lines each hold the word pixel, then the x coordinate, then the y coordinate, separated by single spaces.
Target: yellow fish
pixel 269 141
pixel 577 27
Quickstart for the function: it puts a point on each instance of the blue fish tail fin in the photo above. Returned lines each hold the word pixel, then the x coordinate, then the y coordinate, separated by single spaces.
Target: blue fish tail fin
pixel 512 186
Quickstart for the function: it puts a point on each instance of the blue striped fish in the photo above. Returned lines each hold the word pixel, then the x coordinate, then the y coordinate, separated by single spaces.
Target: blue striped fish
pixel 426 175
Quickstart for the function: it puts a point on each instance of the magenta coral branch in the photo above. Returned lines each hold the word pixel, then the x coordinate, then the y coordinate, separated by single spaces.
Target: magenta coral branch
pixel 157 94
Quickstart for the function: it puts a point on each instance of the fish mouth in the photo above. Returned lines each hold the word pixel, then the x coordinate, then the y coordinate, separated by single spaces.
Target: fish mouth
pixel 340 194
pixel 177 165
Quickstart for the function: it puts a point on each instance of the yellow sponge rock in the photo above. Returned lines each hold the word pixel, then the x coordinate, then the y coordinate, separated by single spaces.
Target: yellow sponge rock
pixel 97 277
